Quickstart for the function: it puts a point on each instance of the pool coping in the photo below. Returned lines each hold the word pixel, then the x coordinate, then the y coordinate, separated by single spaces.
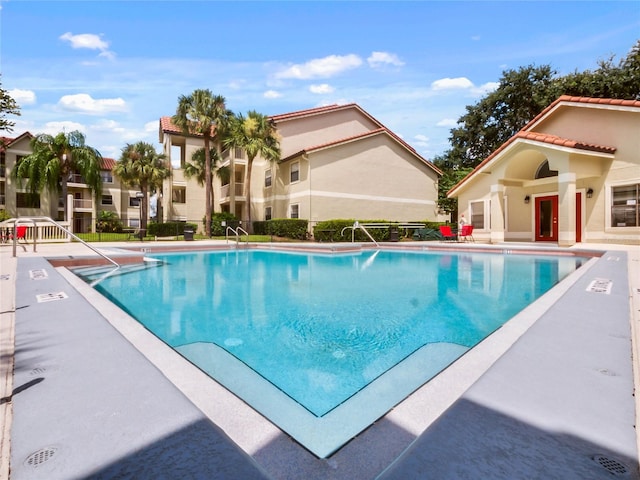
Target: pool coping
pixel 279 455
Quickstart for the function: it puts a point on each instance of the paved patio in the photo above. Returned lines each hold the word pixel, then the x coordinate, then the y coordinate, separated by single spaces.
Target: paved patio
pixel 551 395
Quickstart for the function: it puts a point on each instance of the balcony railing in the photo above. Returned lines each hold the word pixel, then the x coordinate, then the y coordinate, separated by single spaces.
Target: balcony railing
pixel 224 191
pixel 76 178
pixel 82 203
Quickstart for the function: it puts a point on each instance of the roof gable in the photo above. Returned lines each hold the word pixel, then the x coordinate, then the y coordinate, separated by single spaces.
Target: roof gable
pixel 527 133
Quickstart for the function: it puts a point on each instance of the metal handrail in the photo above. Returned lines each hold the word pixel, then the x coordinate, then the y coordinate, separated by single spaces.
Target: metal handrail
pixel 18 220
pixel 353 227
pixel 235 232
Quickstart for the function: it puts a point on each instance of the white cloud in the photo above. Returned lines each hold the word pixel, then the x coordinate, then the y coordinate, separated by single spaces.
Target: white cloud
pixel 84 103
pixel 487 88
pixel 447 122
pixel 23 97
pixel 89 41
pixel 378 59
pixel 151 127
pixel 321 88
pixel 271 94
pixel 53 128
pixel 421 141
pixel 321 67
pixel 452 83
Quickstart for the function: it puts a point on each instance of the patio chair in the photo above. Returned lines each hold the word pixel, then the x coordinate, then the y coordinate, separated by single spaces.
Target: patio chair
pixel 21 233
pixel 466 233
pixel 447 233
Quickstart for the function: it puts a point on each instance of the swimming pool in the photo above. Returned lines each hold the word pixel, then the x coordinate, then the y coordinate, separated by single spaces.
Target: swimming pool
pixel 324 344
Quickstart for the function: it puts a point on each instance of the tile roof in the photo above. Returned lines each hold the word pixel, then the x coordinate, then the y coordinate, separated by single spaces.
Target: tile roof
pixel 310 111
pixel 564 142
pixel 107 163
pixel 526 134
pixel 167 126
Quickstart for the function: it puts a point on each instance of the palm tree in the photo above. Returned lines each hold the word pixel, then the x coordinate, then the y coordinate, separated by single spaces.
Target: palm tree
pixel 196 169
pixel 54 159
pixel 256 135
pixel 205 114
pixel 142 167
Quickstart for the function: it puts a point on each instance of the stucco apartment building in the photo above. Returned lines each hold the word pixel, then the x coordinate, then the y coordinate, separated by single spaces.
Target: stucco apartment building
pixel 83 208
pixel 570 175
pixel 336 162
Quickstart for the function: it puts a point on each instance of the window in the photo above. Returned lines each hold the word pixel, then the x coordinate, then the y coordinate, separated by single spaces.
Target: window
pixel 177 157
pixel 106 176
pixel 295 211
pixel 295 172
pixel 106 200
pixel 267 213
pixel 267 178
pixel 625 206
pixel 179 195
pixel 544 171
pixel 27 200
pixel 134 223
pixel 239 153
pixel 134 202
pixel 477 214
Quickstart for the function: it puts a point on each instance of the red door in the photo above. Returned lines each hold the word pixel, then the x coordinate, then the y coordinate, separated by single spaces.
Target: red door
pixel 547 219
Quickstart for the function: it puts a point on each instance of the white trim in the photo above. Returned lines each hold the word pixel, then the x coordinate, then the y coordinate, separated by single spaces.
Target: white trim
pixel 349 196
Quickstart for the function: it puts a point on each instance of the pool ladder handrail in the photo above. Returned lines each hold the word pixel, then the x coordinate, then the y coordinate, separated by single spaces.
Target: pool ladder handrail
pixel 353 228
pixel 19 220
pixel 236 231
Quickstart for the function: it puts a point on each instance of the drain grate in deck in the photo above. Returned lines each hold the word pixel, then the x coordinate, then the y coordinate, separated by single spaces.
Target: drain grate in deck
pixel 612 465
pixel 39 274
pixel 51 297
pixel 600 285
pixel 41 456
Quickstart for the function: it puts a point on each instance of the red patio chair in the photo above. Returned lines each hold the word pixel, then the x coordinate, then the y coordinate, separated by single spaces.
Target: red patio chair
pixel 466 233
pixel 21 233
pixel 447 234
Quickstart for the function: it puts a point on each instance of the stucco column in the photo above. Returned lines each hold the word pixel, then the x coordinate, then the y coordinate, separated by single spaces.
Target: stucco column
pixel 497 214
pixel 70 215
pixel 566 209
pixel 232 183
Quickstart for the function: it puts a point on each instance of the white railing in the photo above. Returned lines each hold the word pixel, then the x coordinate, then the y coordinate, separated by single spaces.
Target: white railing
pixel 43 231
pixel 224 191
pixel 82 203
pixel 14 222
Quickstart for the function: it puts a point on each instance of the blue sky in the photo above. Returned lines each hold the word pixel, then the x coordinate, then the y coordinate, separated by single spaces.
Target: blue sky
pixel 112 68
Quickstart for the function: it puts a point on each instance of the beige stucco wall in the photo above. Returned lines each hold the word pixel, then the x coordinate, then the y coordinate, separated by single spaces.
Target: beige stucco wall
pixel 373 178
pixel 316 130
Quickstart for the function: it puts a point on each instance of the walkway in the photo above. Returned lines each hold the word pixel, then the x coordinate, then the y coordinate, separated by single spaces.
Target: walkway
pixel 86 404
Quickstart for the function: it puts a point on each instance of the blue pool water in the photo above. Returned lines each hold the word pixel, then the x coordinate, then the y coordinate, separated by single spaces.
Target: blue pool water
pixel 321 328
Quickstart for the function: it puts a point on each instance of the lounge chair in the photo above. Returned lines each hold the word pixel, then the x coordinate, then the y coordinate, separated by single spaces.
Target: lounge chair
pixel 447 233
pixel 466 233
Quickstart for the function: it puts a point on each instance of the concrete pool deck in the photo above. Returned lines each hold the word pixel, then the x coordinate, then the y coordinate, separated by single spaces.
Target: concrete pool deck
pixel 550 395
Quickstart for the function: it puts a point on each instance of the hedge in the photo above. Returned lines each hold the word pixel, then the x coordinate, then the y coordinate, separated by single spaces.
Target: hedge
pixel 295 228
pixel 169 229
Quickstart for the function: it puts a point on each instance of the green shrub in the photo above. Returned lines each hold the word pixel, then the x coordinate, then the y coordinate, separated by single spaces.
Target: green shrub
pixel 4 215
pixel 169 229
pixel 295 228
pixel 219 230
pixel 108 222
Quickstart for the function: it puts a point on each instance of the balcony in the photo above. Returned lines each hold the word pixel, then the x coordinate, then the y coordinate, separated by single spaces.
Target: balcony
pixel 82 204
pixel 224 191
pixel 76 179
